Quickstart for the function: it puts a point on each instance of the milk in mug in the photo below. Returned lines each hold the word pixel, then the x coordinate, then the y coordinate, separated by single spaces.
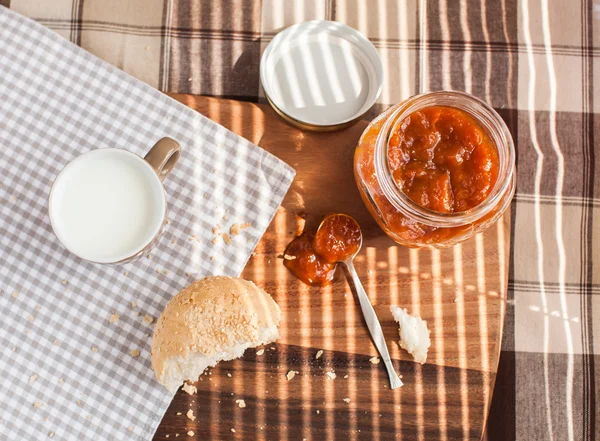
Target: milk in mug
pixel 107 205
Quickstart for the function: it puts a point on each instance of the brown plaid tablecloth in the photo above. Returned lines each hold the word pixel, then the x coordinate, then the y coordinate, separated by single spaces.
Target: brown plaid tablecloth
pixel 534 60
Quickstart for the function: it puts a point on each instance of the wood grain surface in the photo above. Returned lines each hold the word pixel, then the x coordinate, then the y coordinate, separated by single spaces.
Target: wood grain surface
pixel 459 291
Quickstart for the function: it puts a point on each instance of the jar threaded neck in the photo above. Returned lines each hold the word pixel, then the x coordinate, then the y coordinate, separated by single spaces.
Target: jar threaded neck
pixel 491 122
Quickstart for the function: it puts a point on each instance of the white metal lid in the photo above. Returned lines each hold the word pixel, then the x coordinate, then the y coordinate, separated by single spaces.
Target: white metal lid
pixel 321 73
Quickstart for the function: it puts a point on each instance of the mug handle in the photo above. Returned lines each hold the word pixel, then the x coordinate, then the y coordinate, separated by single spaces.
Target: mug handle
pixel 163 156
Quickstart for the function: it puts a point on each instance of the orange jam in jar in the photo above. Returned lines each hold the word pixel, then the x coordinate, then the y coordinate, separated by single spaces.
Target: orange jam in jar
pixel 436 169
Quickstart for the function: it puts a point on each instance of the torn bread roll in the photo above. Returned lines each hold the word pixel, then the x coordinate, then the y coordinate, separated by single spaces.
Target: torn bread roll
pixel 414 335
pixel 212 320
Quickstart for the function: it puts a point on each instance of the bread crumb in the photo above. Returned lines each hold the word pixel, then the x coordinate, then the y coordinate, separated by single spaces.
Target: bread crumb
pixel 245 225
pixel 215 230
pixel 190 432
pixel 190 415
pixel 55 342
pixel 39 405
pixel 126 273
pixel 319 353
pixel 79 403
pixel 318 411
pixel 215 240
pixel 190 389
pixel 225 217
pixel 31 318
pixel 113 318
pixel 38 307
pixel 260 352
pixel 133 304
pixel 228 374
pixel 89 417
pixel 212 257
pixel 233 430
pixel 14 349
pixel 374 360
pixel 288 257
pixel 135 353
pixel 131 429
pixel 148 319
pixel 94 349
pixel 51 434
pixel 226 238
pixel 64 282
pixel 241 403
pixel 176 435
pixel 33 378
pixel 15 294
pixel 346 376
pixel 414 334
pixel 234 230
pixel 346 400
pixel 179 413
pixel 168 221
pixel 331 375
pixel 189 81
pixel 61 381
pixel 188 274
pixel 291 374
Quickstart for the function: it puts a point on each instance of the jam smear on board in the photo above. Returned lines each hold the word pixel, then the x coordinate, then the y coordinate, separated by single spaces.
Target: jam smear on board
pixel 313 258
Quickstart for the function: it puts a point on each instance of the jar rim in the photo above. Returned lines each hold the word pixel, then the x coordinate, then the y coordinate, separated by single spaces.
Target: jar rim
pixel 484 115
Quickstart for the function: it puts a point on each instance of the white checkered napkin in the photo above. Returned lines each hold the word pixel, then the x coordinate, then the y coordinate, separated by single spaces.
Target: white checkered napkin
pixel 65 369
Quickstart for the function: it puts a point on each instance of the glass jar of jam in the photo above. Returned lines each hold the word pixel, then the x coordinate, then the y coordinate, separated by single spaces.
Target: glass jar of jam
pixel 436 169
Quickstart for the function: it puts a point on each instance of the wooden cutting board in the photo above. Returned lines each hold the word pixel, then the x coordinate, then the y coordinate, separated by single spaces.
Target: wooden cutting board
pixel 459 291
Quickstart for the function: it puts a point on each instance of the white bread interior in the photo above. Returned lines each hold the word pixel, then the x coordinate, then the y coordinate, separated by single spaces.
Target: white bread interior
pixel 414 334
pixel 212 320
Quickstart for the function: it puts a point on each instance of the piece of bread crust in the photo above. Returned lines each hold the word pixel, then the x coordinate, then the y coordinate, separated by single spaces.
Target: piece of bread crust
pixel 214 319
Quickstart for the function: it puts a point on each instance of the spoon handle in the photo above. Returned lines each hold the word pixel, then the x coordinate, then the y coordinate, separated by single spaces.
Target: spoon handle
pixel 374 326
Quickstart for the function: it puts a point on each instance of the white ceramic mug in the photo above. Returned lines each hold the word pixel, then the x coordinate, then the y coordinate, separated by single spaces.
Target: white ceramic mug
pixel 109 205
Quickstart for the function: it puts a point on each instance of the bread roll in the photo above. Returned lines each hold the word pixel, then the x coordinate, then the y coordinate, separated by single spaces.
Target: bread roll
pixel 213 319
